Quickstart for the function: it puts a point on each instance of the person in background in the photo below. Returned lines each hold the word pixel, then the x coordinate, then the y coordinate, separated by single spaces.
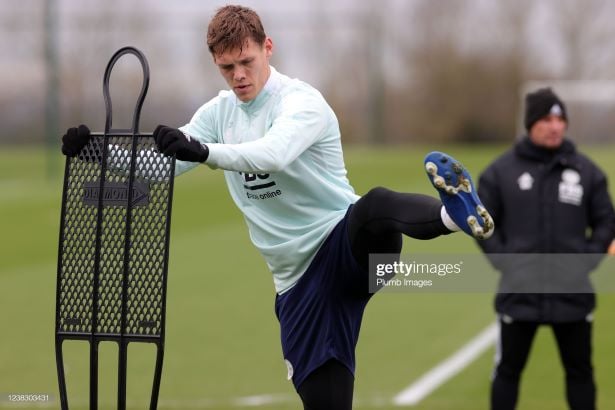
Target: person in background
pixel 546 197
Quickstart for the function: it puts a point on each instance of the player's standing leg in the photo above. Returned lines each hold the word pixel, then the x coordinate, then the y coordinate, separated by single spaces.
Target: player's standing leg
pixel 328 387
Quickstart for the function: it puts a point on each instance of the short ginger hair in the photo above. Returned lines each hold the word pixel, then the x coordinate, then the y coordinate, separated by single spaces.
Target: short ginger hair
pixel 231 27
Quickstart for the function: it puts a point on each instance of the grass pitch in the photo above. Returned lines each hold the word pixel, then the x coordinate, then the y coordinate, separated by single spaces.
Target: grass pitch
pixel 222 339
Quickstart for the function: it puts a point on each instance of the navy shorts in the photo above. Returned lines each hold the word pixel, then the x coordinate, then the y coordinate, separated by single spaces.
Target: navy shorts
pixel 321 315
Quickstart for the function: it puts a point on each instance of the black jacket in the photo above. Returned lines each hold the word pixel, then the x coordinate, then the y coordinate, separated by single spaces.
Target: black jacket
pixel 548 202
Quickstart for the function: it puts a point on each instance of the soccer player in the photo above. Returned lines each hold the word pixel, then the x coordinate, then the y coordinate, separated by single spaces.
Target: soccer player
pixel 546 197
pixel 278 142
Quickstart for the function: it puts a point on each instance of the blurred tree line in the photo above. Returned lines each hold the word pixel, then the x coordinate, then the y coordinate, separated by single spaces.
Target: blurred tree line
pixel 394 71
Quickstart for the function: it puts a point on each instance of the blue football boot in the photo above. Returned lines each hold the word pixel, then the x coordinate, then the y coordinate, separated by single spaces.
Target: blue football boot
pixel 458 194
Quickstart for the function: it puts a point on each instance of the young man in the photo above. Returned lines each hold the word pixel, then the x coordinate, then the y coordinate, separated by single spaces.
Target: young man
pixel 546 197
pixel 278 142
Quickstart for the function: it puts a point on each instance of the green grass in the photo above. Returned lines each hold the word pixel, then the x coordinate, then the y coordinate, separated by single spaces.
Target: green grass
pixel 222 338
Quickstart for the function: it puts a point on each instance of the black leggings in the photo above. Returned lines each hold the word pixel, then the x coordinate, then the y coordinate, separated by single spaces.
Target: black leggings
pixel 375 225
pixel 378 220
pixel 330 387
pixel 574 343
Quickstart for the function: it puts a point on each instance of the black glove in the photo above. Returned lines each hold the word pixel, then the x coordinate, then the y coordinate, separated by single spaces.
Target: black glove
pixel 75 139
pixel 171 141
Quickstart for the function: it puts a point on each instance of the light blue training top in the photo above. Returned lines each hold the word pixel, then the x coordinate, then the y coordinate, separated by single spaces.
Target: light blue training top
pixel 282 159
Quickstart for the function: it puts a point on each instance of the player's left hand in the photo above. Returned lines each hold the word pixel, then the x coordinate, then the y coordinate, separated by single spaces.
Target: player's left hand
pixel 171 141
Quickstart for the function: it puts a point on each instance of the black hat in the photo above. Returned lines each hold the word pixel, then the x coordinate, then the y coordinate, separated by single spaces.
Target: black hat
pixel 541 103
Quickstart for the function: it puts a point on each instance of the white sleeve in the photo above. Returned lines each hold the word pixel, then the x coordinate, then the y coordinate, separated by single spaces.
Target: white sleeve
pixel 301 122
pixel 201 127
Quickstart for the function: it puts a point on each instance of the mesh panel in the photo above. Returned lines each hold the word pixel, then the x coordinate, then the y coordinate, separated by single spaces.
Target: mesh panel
pixel 143 267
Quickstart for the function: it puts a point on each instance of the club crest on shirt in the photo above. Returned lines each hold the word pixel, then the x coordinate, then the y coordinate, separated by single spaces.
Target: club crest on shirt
pixel 525 181
pixel 570 188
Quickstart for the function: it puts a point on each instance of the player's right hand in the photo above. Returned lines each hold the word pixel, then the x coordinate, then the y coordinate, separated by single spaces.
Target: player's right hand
pixel 171 141
pixel 75 139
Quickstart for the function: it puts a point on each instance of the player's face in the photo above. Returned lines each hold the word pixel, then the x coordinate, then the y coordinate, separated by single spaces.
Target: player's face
pixel 246 71
pixel 548 132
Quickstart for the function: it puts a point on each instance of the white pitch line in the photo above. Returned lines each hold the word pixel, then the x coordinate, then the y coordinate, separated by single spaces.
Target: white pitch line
pixel 262 400
pixel 437 376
